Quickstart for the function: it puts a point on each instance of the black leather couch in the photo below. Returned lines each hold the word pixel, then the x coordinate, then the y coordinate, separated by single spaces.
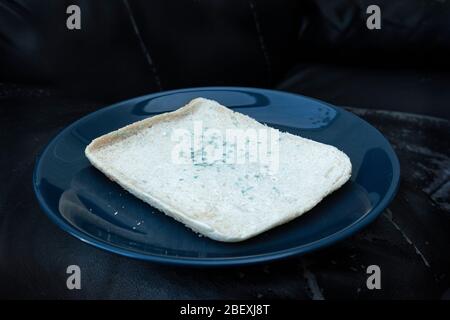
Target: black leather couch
pixel 315 47
pixel 50 76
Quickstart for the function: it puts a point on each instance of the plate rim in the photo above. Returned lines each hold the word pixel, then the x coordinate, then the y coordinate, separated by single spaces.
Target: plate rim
pixel 349 230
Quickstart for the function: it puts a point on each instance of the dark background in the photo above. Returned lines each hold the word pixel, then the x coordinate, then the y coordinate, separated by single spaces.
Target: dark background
pixel 50 76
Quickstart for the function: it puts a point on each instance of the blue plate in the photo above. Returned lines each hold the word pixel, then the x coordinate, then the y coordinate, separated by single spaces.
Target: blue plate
pixel 83 202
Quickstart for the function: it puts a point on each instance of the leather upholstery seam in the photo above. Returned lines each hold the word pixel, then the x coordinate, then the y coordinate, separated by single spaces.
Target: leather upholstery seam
pixel 143 46
pixel 261 40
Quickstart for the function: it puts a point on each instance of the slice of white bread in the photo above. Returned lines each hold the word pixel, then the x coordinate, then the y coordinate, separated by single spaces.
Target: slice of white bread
pixel 220 198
